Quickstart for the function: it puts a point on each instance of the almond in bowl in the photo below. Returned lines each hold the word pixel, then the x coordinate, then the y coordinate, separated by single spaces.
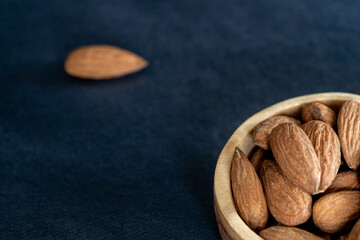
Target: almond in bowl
pixel 280 175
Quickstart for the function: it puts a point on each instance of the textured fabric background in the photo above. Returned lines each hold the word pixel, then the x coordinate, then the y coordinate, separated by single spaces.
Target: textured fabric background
pixel 134 158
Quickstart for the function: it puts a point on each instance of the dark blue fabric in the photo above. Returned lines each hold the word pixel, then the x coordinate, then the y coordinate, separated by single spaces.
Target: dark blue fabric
pixel 134 158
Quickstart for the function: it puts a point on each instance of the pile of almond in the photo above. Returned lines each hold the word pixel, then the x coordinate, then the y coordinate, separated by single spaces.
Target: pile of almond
pixel 301 180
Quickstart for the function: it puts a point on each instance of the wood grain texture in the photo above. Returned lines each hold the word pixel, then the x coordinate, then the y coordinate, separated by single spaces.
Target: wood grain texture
pixel 224 235
pixel 318 111
pixel 327 147
pixel 349 133
pixel 102 62
pixel 242 138
pixel 289 204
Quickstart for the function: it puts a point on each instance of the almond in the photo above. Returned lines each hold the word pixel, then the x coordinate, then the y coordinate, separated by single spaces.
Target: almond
pixel 318 111
pixel 257 159
pixel 262 130
pixel 327 147
pixel 102 62
pixel 349 133
pixel 348 180
pixel 335 211
pixel 287 233
pixel 355 232
pixel 296 156
pixel 289 204
pixel 248 193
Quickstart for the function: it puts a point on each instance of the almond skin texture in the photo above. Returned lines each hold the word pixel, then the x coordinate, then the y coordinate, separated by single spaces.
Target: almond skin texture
pixel 349 133
pixel 318 111
pixel 262 130
pixel 289 204
pixel 327 147
pixel 287 233
pixel 355 232
pixel 335 211
pixel 102 62
pixel 296 156
pixel 257 159
pixel 248 193
pixel 348 180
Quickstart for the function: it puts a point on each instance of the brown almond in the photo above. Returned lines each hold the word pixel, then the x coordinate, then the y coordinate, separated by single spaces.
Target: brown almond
pixel 248 193
pixel 287 233
pixel 327 147
pixel 349 133
pixel 296 156
pixel 102 62
pixel 348 180
pixel 335 211
pixel 257 159
pixel 289 204
pixel 262 130
pixel 318 111
pixel 355 232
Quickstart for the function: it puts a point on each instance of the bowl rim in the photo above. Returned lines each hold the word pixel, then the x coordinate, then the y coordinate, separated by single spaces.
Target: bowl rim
pixel 225 210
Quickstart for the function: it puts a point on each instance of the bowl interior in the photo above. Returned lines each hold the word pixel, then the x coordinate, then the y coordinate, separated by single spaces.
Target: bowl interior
pixel 230 224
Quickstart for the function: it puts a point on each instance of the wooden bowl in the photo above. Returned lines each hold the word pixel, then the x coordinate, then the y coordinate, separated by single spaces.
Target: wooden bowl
pixel 230 224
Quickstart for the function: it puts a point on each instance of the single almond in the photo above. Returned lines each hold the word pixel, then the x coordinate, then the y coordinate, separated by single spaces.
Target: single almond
pixel 355 232
pixel 335 211
pixel 102 62
pixel 348 180
pixel 248 193
pixel 296 156
pixel 327 147
pixel 287 233
pixel 262 130
pixel 318 111
pixel 257 159
pixel 289 204
pixel 349 133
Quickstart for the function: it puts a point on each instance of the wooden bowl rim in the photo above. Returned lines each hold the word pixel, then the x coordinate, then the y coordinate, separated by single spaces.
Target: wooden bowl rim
pixel 225 210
